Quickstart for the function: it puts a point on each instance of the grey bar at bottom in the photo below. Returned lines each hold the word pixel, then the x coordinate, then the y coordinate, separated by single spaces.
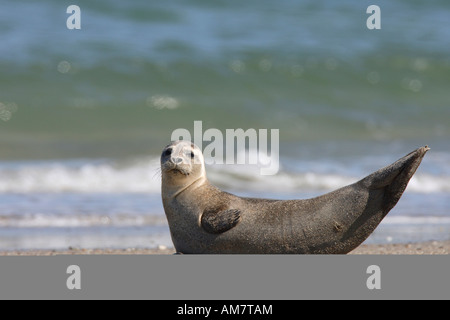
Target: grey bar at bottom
pixel 226 277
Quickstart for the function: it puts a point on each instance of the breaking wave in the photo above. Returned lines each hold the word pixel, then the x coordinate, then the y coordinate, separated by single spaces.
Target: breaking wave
pixel 143 176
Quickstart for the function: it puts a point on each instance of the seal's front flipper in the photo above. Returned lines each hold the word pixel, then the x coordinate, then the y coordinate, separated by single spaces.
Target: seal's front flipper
pixel 219 222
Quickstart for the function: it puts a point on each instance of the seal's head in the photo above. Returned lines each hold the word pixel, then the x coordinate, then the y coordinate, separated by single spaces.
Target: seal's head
pixel 182 163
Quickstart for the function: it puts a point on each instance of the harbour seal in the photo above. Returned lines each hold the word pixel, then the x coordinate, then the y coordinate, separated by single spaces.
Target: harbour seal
pixel 205 219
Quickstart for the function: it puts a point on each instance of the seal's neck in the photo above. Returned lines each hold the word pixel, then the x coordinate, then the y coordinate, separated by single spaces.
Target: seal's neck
pixel 171 192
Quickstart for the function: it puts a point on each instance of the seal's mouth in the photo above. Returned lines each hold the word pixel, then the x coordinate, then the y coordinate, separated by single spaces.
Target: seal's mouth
pixel 175 169
pixel 179 171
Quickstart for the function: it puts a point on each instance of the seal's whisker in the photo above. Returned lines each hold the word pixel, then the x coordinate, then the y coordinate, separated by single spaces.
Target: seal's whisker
pixel 158 173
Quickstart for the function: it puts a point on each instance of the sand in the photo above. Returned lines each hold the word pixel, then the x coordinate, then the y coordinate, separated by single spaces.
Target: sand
pixel 421 248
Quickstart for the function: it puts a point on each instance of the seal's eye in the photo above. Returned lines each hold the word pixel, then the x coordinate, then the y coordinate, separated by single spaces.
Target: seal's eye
pixel 167 153
pixel 192 155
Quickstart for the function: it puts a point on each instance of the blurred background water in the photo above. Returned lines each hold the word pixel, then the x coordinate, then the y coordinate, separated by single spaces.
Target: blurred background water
pixel 84 114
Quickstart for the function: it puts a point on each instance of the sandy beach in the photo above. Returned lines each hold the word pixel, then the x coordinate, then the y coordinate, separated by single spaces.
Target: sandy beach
pixel 420 248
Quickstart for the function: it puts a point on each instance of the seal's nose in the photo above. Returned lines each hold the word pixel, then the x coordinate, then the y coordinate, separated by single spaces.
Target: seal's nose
pixel 177 160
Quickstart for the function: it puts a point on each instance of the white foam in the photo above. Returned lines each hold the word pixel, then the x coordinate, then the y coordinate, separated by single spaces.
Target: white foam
pixel 417 220
pixel 138 176
pixel 246 177
pixel 78 221
pixel 427 183
pixel 143 176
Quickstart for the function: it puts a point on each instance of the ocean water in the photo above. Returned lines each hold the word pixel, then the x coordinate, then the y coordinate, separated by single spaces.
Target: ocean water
pixel 84 114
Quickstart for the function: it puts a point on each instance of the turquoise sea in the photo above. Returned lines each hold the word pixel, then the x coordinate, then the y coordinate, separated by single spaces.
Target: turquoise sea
pixel 84 114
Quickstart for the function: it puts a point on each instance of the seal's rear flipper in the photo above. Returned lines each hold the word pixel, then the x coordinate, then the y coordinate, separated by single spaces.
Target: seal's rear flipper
pixel 394 178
